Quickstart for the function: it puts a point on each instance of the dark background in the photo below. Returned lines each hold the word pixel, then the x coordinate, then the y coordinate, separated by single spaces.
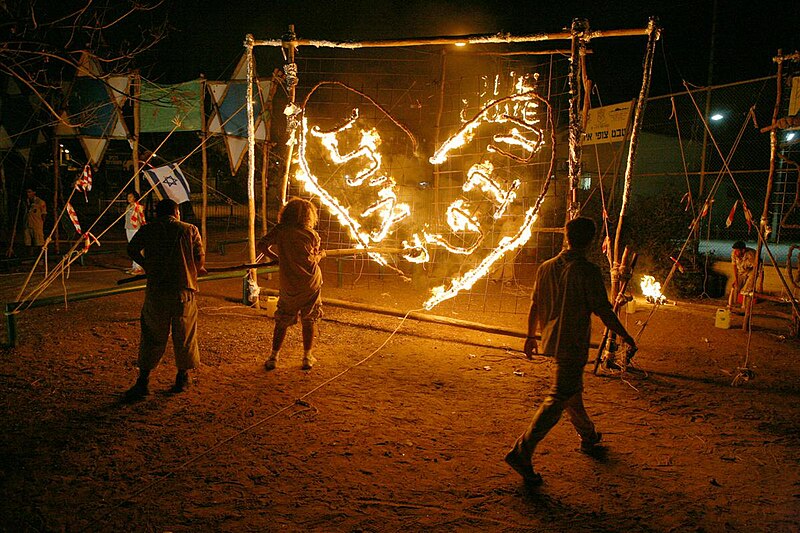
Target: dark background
pixel 207 37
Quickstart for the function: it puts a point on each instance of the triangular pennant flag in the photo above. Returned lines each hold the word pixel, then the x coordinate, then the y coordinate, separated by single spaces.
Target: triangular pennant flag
pixel 240 72
pixel 261 131
pixel 119 87
pixel 5 141
pixel 217 90
pixel 729 220
pixel 237 146
pixel 12 88
pixel 266 90
pixel 214 125
pixel 95 148
pixel 63 129
pixel 89 66
pixel 119 130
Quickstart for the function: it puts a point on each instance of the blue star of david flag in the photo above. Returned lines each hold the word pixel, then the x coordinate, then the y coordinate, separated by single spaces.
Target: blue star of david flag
pixel 170 182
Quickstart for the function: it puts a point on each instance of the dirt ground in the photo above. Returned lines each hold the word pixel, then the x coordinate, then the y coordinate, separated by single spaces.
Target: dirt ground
pixel 389 432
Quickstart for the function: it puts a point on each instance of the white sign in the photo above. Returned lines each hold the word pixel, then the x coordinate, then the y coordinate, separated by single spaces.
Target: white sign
pixel 794 98
pixel 608 124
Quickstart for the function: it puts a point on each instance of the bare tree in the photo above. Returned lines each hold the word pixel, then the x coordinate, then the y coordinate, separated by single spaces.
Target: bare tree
pixel 42 41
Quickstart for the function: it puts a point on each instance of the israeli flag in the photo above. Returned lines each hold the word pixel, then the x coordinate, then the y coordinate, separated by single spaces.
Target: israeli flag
pixel 170 182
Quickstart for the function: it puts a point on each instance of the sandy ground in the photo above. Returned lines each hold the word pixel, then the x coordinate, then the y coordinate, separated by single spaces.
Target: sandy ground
pixel 389 432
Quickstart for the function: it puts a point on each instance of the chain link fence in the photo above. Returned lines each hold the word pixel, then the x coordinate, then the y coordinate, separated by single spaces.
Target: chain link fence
pixel 417 101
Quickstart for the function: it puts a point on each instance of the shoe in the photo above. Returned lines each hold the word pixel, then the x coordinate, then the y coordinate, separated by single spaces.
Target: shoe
pixel 271 363
pixel 589 445
pixel 308 361
pixel 182 382
pixel 529 476
pixel 139 390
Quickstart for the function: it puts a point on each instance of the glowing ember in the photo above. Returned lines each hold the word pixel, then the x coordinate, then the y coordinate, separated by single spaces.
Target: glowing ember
pixel 651 289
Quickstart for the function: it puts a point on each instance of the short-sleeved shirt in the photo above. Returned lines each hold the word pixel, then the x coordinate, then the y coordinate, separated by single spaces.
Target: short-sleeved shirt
pixel 746 262
pixel 567 290
pixel 298 250
pixel 172 250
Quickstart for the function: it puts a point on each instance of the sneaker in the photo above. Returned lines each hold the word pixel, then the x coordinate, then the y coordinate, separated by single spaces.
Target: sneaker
pixel 524 469
pixel 271 363
pixel 308 361
pixel 589 445
pixel 139 390
pixel 182 382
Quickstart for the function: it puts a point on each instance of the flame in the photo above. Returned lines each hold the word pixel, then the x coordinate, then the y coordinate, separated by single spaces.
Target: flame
pixel 464 217
pixel 465 282
pixel 480 176
pixel 651 289
pixel 388 209
pixel 499 112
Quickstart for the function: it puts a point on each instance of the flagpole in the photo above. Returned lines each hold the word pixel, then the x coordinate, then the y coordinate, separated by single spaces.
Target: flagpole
pixel 137 93
pixel 251 167
pixel 56 182
pixel 204 155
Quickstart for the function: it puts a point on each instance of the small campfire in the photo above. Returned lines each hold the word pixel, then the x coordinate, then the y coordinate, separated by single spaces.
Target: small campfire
pixel 651 289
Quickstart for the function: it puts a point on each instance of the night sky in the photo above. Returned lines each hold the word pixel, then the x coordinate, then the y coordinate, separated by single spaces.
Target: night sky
pixel 207 36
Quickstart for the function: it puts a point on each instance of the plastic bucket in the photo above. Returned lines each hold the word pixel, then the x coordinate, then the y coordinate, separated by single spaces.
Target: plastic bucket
pixel 723 320
pixel 272 305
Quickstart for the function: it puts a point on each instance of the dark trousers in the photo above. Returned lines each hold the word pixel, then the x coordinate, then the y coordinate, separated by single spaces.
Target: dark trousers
pixel 566 394
pixel 162 313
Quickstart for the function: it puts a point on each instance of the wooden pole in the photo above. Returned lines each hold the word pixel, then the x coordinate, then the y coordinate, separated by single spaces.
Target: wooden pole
pixel 498 38
pixel 137 96
pixel 56 183
pixel 264 177
pixel 764 223
pixel 579 29
pixel 638 118
pixel 251 161
pixel 438 128
pixel 204 157
pixel 291 82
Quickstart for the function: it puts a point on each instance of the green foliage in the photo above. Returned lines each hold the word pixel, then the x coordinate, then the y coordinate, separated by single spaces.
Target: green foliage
pixel 657 227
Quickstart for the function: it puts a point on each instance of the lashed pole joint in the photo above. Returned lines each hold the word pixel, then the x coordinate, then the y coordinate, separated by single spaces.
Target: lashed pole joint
pixel 580 29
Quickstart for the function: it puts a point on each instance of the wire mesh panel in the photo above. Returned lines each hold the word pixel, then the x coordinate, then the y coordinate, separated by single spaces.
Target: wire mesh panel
pixel 435 161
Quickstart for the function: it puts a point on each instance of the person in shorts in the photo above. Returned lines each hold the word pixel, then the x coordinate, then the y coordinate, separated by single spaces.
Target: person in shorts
pixel 296 246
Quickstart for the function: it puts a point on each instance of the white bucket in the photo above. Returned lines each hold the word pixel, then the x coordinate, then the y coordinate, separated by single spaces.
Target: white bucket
pixel 630 307
pixel 723 320
pixel 272 305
